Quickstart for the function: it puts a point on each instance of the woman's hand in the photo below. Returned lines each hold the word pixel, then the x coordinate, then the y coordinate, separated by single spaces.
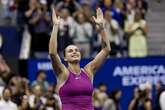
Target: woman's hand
pixel 99 19
pixel 56 20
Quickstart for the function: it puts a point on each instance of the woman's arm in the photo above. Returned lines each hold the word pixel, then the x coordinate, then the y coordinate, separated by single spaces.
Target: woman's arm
pixel 29 12
pixel 133 104
pixel 148 105
pixel 94 65
pixel 36 18
pixel 56 61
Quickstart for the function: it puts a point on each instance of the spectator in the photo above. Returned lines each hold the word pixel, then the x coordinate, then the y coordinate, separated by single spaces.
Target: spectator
pixel 36 99
pixel 87 10
pixel 162 100
pixel 143 6
pixel 15 84
pixel 100 96
pixel 5 72
pixel 141 100
pixel 130 10
pixel 41 80
pixel 52 100
pixel 22 7
pixel 6 103
pixel 105 4
pixel 21 21
pixel 136 32
pixel 7 12
pixel 39 20
pixel 132 3
pixel 65 30
pixel 112 103
pixel 50 103
pixel 57 98
pixel 71 5
pixel 24 104
pixel 118 12
pixel 113 30
pixel 159 90
pixel 83 32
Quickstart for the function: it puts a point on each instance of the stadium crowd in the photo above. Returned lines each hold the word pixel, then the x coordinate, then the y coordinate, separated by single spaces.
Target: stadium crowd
pixel 127 31
pixel 124 20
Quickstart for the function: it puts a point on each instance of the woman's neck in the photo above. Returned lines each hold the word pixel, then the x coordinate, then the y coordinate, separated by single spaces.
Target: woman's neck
pixel 74 67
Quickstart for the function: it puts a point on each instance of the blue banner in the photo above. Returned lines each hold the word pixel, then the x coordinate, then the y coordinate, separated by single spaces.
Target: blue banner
pixel 122 73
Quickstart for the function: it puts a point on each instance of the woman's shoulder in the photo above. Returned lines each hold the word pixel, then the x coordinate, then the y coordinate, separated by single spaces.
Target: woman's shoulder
pixel 87 72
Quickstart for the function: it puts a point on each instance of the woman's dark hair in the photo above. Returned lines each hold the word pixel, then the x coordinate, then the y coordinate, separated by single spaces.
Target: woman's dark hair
pixel 112 94
pixel 81 13
pixel 64 52
pixel 40 72
pixel 101 84
pixel 69 43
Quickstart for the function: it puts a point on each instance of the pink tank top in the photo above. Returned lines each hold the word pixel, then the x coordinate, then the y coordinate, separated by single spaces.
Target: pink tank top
pixel 76 93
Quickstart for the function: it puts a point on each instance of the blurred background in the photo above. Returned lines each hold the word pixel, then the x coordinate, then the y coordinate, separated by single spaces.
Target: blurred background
pixel 134 70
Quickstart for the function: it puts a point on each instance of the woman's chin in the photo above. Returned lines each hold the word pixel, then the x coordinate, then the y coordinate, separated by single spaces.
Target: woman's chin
pixel 75 60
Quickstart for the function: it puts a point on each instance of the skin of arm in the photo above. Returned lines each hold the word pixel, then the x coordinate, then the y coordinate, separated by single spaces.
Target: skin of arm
pixel 58 67
pixel 148 105
pixel 46 14
pixel 36 18
pixel 29 12
pixel 132 104
pixel 94 65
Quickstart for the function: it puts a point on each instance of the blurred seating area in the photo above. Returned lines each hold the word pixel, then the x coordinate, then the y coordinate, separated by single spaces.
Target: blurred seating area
pixel 124 21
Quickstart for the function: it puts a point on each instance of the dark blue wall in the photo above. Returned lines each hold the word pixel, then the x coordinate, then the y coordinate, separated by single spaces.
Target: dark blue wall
pixel 11 42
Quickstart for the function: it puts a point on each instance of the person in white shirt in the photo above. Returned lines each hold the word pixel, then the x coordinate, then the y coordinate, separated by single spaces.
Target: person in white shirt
pixel 162 100
pixel 113 32
pixel 82 35
pixel 5 102
pixel 36 100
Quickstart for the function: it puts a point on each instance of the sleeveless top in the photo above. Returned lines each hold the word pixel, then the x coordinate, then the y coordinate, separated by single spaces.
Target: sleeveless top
pixel 76 93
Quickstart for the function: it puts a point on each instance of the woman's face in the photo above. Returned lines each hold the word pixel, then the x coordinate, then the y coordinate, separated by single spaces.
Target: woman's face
pixel 107 15
pixel 118 95
pixel 15 84
pixel 37 90
pixel 80 18
pixel 64 13
pixel 137 15
pixel 72 54
pixel 33 3
pixel 107 3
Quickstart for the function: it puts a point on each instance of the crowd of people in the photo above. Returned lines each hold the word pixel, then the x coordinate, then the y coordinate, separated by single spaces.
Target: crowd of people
pixel 124 19
pixel 127 31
